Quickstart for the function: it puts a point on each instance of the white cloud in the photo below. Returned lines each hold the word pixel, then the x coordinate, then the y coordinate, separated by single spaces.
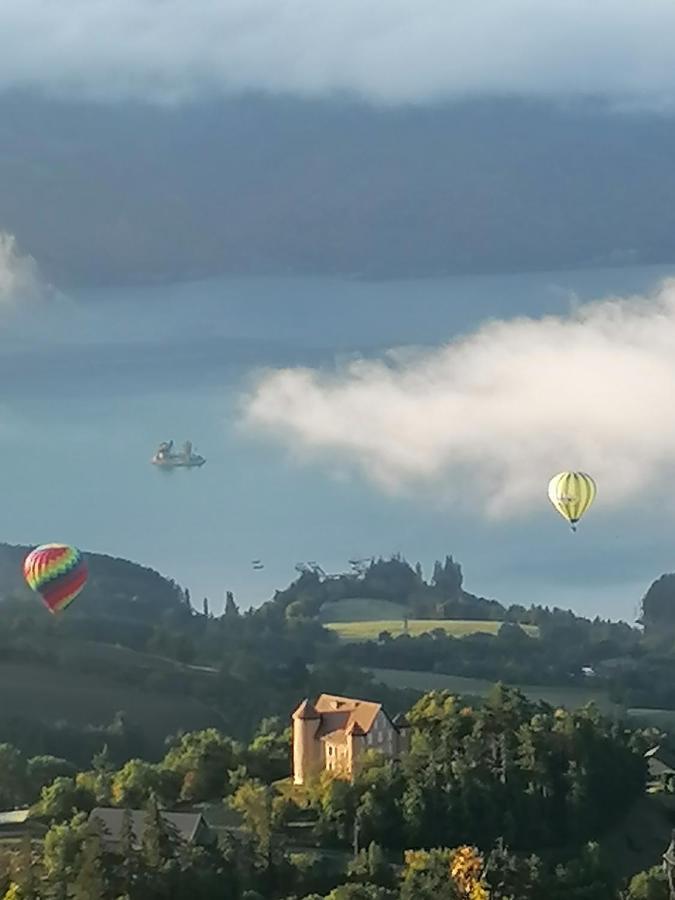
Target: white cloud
pixel 20 280
pixel 492 416
pixel 386 50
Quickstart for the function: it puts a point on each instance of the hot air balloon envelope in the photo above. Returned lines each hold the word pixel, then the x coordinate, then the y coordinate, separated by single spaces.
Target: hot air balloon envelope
pixel 57 572
pixel 572 493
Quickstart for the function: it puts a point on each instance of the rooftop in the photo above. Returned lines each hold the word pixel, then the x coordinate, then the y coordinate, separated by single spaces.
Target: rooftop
pixel 186 825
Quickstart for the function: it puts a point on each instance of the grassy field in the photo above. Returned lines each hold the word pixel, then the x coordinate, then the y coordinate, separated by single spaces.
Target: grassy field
pixel 52 694
pixel 571 697
pixel 369 631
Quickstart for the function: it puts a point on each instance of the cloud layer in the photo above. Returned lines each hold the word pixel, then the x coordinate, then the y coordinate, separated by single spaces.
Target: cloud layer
pixel 20 280
pixel 491 417
pixel 386 50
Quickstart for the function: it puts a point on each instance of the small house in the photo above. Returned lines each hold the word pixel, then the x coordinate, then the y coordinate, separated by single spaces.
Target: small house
pixel 190 828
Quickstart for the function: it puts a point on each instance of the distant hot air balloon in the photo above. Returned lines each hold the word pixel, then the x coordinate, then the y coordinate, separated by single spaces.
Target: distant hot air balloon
pixel 572 493
pixel 57 572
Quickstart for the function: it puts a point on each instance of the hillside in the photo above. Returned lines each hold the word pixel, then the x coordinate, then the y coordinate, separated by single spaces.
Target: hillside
pixel 133 644
pixel 275 185
pixel 116 587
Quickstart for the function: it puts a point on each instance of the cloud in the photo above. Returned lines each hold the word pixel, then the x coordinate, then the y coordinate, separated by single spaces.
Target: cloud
pixel 490 417
pixel 20 281
pixel 386 50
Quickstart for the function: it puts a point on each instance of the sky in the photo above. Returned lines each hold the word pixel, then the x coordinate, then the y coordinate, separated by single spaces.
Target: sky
pixel 488 418
pixel 20 279
pixel 386 51
pixel 347 442
pixel 481 420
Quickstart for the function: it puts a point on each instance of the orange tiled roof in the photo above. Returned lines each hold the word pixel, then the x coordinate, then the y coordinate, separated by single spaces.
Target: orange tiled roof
pixel 342 713
pixel 306 711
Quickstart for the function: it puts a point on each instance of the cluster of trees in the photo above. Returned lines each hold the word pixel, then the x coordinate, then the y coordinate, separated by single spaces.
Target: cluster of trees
pixel 76 744
pixel 74 863
pixel 544 779
pixel 536 776
pixel 557 657
pixel 199 766
pixel 394 579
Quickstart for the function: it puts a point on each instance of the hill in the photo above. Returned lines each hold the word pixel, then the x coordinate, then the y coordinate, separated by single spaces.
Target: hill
pixel 277 185
pixel 116 587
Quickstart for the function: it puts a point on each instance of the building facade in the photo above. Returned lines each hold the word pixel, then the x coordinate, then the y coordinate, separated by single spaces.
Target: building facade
pixel 334 733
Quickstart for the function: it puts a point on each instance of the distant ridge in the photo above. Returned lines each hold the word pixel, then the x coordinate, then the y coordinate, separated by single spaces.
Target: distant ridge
pixel 116 587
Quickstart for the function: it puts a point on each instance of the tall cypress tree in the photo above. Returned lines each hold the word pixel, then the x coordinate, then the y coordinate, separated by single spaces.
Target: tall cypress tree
pixel 128 854
pixel 90 882
pixel 158 841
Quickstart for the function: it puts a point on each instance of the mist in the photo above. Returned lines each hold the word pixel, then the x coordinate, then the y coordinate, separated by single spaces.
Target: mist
pixel 389 51
pixel 487 419
pixel 20 280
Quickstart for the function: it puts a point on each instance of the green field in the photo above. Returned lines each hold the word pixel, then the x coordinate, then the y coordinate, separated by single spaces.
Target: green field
pixel 571 697
pixel 52 694
pixel 369 631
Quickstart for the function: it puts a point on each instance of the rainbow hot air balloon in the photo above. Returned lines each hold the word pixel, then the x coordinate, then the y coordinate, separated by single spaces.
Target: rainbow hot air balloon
pixel 57 572
pixel 572 493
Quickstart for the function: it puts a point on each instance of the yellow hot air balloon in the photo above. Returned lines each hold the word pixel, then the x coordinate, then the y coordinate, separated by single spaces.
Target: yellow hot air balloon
pixel 572 493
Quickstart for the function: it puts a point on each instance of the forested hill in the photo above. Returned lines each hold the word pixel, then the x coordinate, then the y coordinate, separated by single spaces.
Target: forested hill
pixel 116 587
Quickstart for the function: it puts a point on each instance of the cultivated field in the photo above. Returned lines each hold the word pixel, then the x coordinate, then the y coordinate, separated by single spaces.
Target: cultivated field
pixel 369 631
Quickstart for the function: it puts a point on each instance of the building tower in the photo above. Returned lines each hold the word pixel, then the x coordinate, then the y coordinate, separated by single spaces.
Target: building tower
pixel 306 746
pixel 402 735
pixel 356 745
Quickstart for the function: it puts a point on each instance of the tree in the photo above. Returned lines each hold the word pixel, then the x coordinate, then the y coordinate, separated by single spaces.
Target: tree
pixel 61 849
pixel 61 799
pixel 448 579
pixel 200 761
pixel 268 754
pixel 427 876
pixel 89 879
pixel 658 606
pixel 371 866
pixel 231 608
pixel 254 801
pixel 159 841
pixel 135 782
pixel 360 892
pixel 128 853
pixel 13 788
pixel 43 770
pixel 649 885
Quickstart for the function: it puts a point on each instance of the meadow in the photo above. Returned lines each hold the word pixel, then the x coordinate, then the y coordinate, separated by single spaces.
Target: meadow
pixel 370 630
pixel 52 694
pixel 571 697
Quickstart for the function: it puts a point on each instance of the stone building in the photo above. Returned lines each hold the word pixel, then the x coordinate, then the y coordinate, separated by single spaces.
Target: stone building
pixel 333 733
